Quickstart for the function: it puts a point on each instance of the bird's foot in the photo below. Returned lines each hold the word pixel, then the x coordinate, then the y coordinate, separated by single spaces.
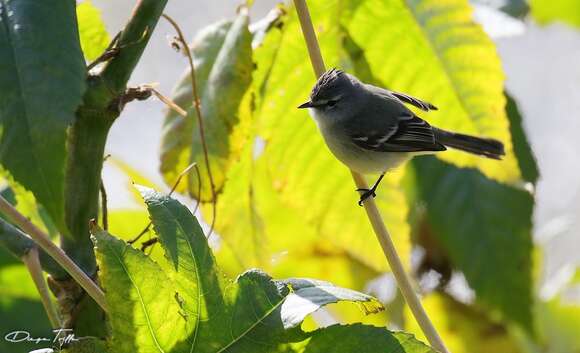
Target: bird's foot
pixel 366 193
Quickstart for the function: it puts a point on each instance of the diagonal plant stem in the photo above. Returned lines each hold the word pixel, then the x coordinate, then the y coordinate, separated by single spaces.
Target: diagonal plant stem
pixel 197 104
pixel 370 206
pixel 32 262
pixel 53 251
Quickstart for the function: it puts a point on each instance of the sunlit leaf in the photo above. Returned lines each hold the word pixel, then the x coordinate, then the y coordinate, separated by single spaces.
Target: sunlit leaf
pixel 42 85
pixel 566 11
pixel 92 31
pixel 25 202
pixel 135 177
pixel 144 314
pixel 463 328
pixel 299 169
pixel 433 50
pixel 254 308
pixel 223 61
pixel 485 227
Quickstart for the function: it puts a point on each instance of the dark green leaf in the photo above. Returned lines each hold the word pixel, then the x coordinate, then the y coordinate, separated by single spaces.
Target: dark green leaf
pixel 42 85
pixel 485 227
pixel 522 149
pixel 362 339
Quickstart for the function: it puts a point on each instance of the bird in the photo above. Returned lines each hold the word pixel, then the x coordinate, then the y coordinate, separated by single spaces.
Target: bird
pixel 371 130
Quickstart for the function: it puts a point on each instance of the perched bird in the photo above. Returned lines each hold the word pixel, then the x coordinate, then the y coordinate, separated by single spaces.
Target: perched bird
pixel 370 129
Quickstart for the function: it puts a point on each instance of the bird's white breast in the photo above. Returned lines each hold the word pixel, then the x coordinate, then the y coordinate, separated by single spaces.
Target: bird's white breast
pixel 356 158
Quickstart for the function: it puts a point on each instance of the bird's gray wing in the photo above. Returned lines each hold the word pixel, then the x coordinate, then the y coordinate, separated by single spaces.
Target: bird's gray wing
pixel 405 98
pixel 426 106
pixel 408 134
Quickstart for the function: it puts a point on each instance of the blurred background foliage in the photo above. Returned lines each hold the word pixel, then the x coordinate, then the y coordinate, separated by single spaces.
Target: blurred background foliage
pixel 462 225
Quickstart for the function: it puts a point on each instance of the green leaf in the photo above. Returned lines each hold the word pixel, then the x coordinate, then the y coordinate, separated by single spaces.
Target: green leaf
pixel 144 313
pixel 436 52
pixel 560 319
pixel 567 11
pixel 25 203
pixel 310 295
pixel 42 85
pixel 294 171
pixel 362 339
pixel 222 315
pixel 20 302
pixel 224 65
pixel 485 227
pixel 463 328
pixel 522 148
pixel 134 176
pixel 92 31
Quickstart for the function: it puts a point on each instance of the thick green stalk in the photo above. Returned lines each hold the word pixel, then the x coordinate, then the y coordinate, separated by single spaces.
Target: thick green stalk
pixel 132 42
pixel 86 143
pixel 102 104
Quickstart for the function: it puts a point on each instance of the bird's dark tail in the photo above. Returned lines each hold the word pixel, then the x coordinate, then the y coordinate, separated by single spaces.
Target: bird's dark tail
pixel 486 147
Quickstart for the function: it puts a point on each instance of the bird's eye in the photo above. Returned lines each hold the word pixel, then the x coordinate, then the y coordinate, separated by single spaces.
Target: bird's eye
pixel 332 103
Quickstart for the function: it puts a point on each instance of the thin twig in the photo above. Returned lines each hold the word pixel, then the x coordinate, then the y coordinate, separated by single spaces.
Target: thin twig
pixel 105 212
pixel 148 243
pixel 179 177
pixel 32 262
pixel 53 251
pixel 197 104
pixel 370 206
pixel 108 54
pixel 168 102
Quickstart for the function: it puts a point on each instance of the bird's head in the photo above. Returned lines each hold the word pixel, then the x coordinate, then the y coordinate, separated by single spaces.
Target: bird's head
pixel 332 94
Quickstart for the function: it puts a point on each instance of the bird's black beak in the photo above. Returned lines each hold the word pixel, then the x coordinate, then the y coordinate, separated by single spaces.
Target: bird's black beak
pixel 306 105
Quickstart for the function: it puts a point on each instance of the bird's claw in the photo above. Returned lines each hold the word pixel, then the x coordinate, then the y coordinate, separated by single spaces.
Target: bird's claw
pixel 365 195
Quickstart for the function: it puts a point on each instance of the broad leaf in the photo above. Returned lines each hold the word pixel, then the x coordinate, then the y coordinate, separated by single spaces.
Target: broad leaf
pixel 463 328
pixel 309 295
pixel 42 86
pixel 362 339
pixel 485 227
pixel 433 50
pixel 26 203
pixel 567 11
pixel 522 148
pixel 92 31
pixel 223 61
pixel 221 315
pixel 144 313
pixel 288 180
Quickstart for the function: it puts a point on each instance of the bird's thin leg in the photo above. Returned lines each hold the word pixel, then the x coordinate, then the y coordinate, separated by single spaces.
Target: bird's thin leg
pixel 369 192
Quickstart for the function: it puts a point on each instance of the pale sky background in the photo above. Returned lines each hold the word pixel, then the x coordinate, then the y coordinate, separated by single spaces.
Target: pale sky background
pixel 541 64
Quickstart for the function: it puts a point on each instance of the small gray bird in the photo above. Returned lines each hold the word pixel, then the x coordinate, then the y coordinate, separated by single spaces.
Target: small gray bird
pixel 370 129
